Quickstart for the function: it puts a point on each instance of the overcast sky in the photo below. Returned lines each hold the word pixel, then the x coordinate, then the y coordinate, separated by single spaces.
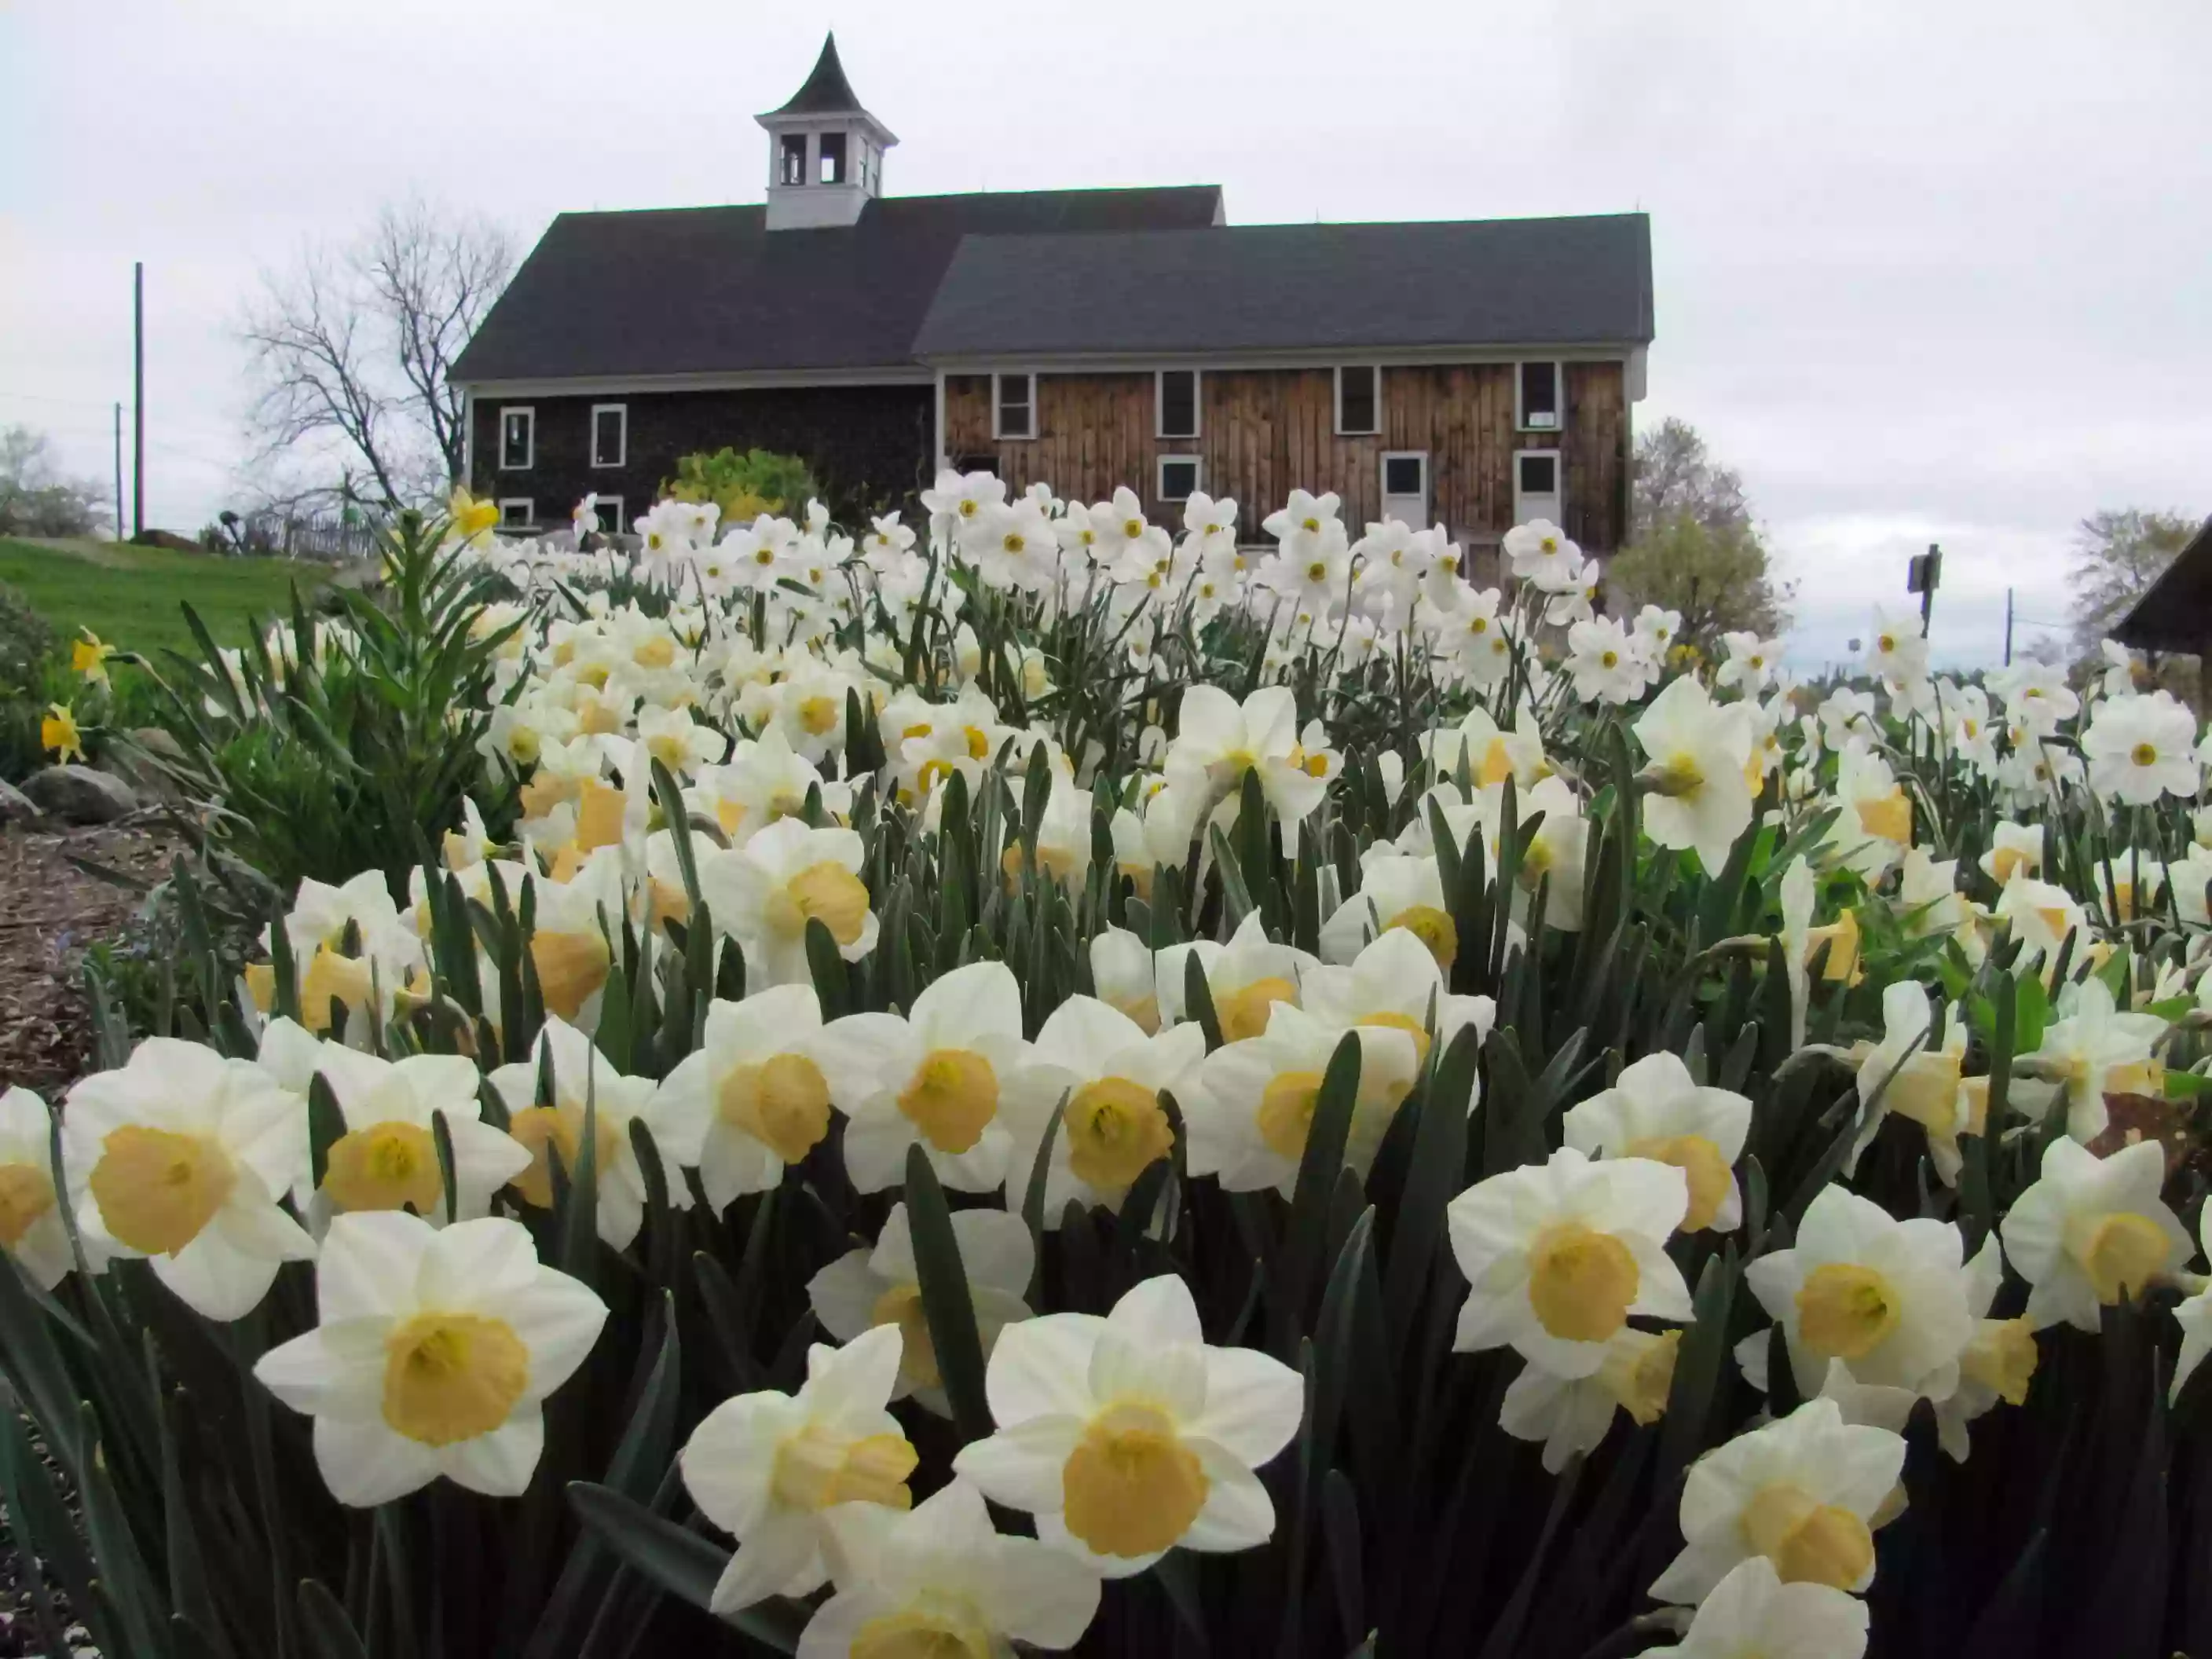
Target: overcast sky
pixel 1925 270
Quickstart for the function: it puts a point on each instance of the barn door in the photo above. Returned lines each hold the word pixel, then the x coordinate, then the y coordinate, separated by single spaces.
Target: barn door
pixel 1405 486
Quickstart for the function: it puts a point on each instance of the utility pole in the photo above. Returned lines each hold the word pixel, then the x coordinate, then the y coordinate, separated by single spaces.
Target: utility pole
pixel 118 473
pixel 137 399
pixel 2007 661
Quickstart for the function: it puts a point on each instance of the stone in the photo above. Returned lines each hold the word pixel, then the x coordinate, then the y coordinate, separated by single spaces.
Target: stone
pixel 81 794
pixel 140 759
pixel 15 806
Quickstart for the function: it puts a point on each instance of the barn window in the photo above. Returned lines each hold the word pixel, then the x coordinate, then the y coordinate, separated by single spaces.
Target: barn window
pixel 1175 403
pixel 1359 399
pixel 1539 472
pixel 1178 478
pixel 517 512
pixel 610 509
pixel 1538 398
pixel 609 433
pixel 1013 405
pixel 518 439
pixel 791 159
pixel 832 170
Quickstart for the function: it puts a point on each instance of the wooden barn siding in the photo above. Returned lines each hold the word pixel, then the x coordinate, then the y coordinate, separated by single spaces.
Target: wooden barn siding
pixel 1265 432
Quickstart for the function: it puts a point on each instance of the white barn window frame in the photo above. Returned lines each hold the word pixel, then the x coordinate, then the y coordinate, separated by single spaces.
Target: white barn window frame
pixel 620 412
pixel 1374 426
pixel 528 415
pixel 1163 487
pixel 1001 428
pixel 1161 427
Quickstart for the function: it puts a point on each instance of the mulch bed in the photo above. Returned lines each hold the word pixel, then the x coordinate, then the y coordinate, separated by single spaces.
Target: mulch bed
pixel 51 913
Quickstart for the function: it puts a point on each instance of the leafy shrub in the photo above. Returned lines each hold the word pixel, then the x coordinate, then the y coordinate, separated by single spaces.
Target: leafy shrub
pixel 322 752
pixel 744 485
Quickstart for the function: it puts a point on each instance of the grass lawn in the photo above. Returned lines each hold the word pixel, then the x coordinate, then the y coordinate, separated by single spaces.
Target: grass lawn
pixel 131 596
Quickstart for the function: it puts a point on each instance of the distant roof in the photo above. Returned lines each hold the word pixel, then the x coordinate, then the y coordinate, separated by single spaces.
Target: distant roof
pixel 701 290
pixel 1259 287
pixel 2175 612
pixel 827 92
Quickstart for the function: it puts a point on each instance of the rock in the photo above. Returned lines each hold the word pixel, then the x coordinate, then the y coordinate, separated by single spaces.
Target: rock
pixel 81 794
pixel 14 806
pixel 138 759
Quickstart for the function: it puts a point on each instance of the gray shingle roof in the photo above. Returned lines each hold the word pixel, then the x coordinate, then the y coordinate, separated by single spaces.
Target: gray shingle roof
pixel 701 290
pixel 2175 612
pixel 827 92
pixel 1261 288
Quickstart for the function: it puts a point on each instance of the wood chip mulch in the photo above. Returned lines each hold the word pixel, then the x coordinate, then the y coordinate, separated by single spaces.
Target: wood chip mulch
pixel 51 913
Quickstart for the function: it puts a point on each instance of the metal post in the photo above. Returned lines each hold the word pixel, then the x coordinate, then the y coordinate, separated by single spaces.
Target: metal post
pixel 1928 590
pixel 118 472
pixel 2007 661
pixel 138 399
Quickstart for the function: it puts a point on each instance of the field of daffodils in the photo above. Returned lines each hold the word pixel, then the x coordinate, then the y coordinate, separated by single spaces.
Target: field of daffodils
pixel 1036 1079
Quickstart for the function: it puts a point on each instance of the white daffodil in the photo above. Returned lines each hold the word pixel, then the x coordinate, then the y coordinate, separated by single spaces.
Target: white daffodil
pixel 765 892
pixel 768 1468
pixel 434 1354
pixel 1395 984
pixel 181 1156
pixel 2091 1231
pixel 1559 1255
pixel 2041 915
pixel 1571 1414
pixel 387 1158
pixel 2140 748
pixel 1887 1297
pixel 1696 792
pixel 1999 1361
pixel 1875 825
pixel 1114 1126
pixel 1538 548
pixel 936 1079
pixel 1656 1109
pixel 1247 1120
pixel 1752 663
pixel 1905 1075
pixel 2194 1315
pixel 1126 1436
pixel 31 1226
pixel 1553 835
pixel 1217 741
pixel 2097 1050
pixel 940 1580
pixel 1395 893
pixel 1245 978
pixel 1605 663
pixel 1124 976
pixel 864 1288
pixel 755 1086
pixel 583 1076
pixel 1802 1492
pixel 2014 850
pixel 1753 1613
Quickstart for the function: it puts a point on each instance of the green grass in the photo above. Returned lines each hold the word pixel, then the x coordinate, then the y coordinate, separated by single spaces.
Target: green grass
pixel 131 597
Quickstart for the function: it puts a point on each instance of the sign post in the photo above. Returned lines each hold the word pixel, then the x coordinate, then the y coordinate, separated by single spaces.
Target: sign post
pixel 1922 576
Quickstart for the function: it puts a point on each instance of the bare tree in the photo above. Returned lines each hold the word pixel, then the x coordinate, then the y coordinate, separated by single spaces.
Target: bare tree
pixel 1695 546
pixel 352 352
pixel 1674 473
pixel 35 498
pixel 2118 555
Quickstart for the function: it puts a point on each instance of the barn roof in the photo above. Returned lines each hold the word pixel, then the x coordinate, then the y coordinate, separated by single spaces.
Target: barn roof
pixel 702 290
pixel 2175 612
pixel 1288 288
